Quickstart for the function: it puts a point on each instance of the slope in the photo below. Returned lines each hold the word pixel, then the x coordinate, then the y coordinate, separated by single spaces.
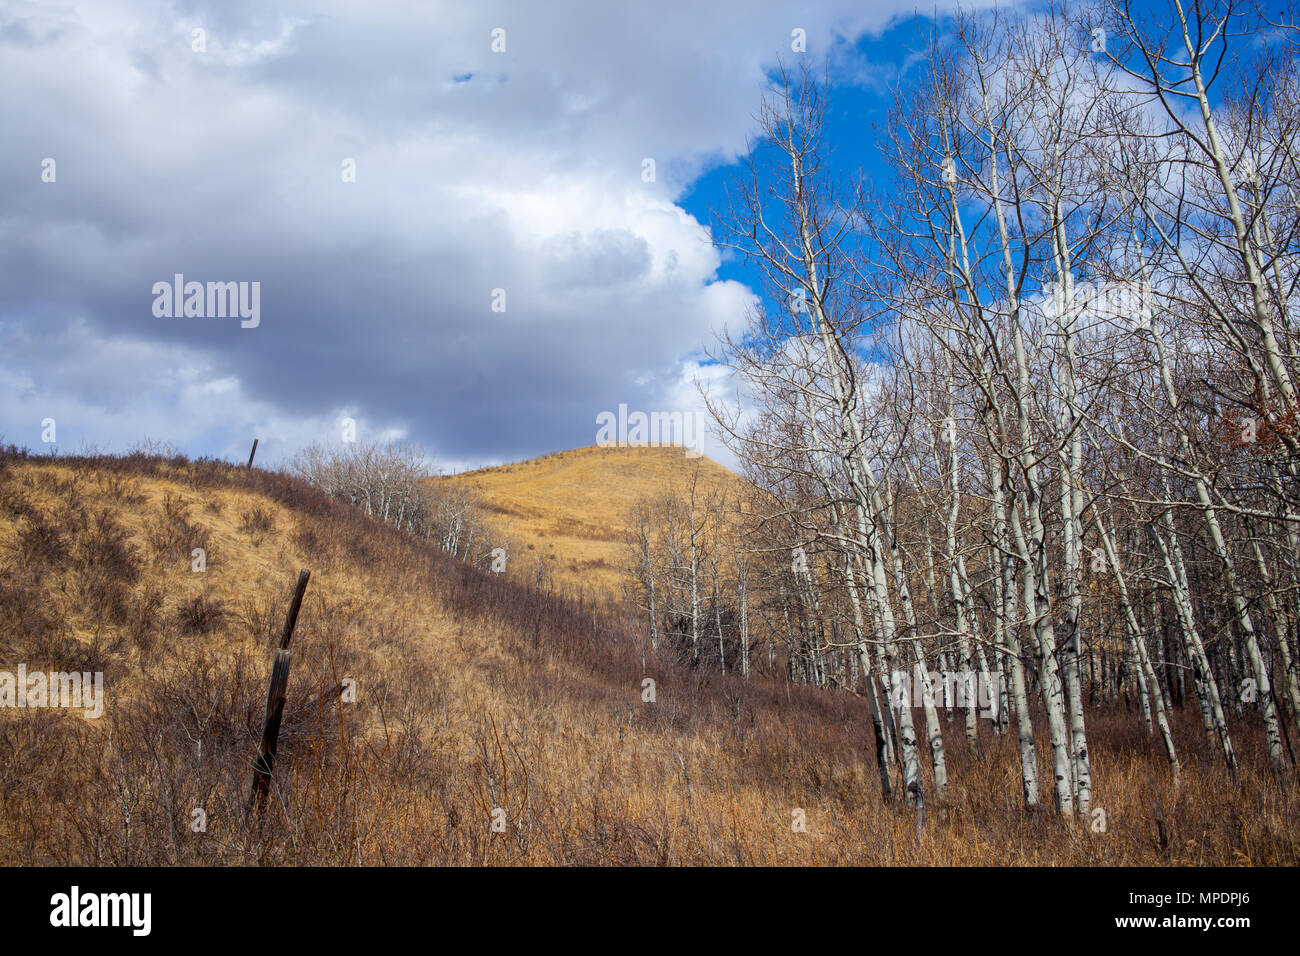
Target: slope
pixel 572 510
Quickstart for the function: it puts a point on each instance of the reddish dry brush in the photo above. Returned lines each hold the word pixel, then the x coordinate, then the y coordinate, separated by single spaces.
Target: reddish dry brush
pixel 1265 430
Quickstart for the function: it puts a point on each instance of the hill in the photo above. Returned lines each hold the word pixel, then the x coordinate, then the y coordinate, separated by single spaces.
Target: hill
pixel 572 510
pixel 474 694
pixel 488 722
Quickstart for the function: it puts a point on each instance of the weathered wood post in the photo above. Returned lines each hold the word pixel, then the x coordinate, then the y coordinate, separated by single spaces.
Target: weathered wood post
pixel 275 697
pixel 252 453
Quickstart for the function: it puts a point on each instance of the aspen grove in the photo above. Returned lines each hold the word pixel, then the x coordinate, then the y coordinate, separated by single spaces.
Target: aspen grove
pixel 1021 420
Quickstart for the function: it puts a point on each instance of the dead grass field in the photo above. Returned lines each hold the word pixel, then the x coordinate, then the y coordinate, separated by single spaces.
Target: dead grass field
pixel 571 509
pixel 476 692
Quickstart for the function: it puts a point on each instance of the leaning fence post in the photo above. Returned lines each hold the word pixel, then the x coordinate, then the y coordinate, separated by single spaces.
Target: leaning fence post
pixel 275 696
pixel 294 606
pixel 252 453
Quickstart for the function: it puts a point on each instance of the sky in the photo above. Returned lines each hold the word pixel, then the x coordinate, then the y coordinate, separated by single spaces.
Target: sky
pixel 453 245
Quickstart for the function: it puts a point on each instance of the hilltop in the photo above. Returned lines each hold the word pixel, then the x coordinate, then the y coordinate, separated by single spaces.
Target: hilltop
pixel 573 508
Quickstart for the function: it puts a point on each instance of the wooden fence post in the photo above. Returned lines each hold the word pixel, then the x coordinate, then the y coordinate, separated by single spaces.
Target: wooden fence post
pixel 294 606
pixel 252 453
pixel 275 697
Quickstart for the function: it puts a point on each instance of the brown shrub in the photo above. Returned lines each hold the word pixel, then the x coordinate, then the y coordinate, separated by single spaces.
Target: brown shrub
pixel 171 533
pixel 42 542
pixel 142 620
pixel 119 488
pixel 105 545
pixel 257 522
pixel 201 614
pixel 31 619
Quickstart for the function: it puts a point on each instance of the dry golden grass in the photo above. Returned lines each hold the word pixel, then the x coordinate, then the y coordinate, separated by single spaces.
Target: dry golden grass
pixel 571 509
pixel 475 692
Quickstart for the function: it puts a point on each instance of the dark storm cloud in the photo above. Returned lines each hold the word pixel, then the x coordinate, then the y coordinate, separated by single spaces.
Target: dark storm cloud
pixel 226 163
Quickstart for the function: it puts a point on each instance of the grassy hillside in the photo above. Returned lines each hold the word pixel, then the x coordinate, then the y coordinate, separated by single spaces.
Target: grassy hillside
pixel 570 509
pixel 475 692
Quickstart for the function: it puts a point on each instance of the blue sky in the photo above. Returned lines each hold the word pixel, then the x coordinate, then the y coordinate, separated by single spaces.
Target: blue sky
pixel 870 68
